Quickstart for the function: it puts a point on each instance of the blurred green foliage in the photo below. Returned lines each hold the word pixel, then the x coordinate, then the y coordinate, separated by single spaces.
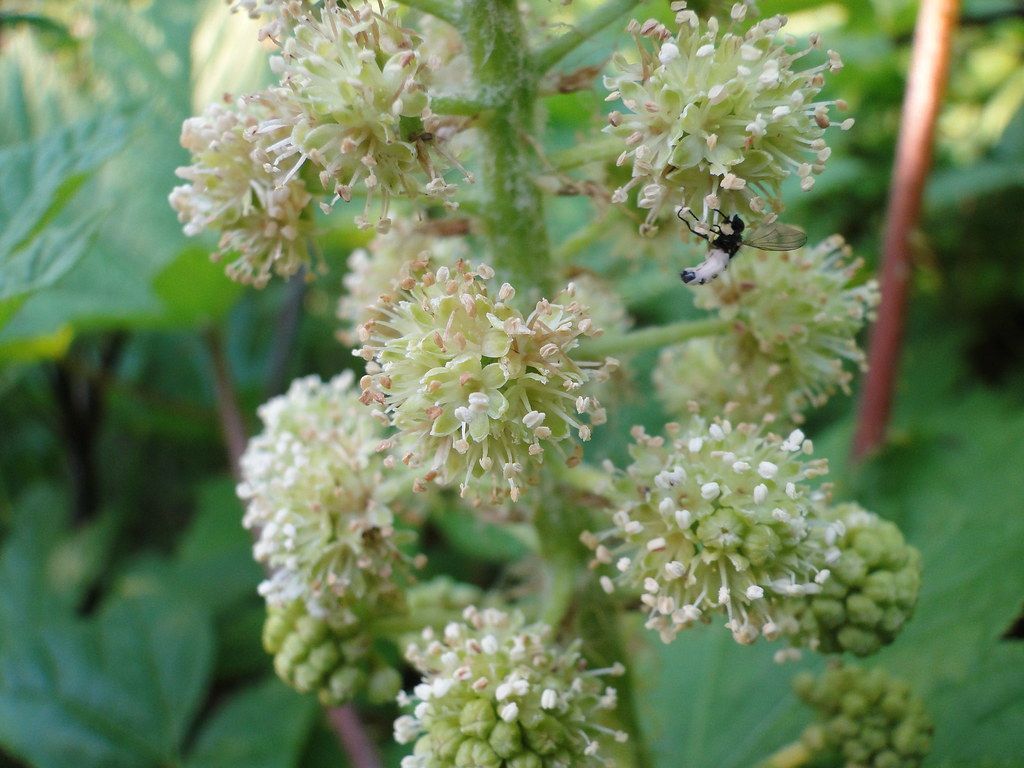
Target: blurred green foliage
pixel 129 625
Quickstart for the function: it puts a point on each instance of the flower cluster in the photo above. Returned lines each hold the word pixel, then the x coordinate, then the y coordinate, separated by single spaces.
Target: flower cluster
pixel 714 517
pixel 320 503
pixel 794 318
pixel 389 259
pixel 497 693
pixel 474 387
pixel 278 15
pixel 872 591
pixel 356 82
pixel 718 120
pixel 261 220
pixel 330 656
pixel 869 718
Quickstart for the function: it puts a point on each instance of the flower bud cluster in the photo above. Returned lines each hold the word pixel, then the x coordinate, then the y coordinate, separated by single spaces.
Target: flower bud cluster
pixel 718 119
pixel 332 657
pixel 442 593
pixel 357 85
pixel 872 591
pixel 320 503
pixel 261 219
pixel 475 388
pixel 794 318
pixel 713 518
pixel 390 259
pixel 867 717
pixel 498 694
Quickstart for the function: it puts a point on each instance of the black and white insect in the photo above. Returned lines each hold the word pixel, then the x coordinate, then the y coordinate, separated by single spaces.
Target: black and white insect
pixel 726 238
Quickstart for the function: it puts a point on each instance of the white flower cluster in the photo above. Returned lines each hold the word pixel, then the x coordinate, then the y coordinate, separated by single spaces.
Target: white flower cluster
pixel 713 518
pixel 498 693
pixel 278 15
pixel 474 387
pixel 718 119
pixel 319 502
pixel 390 258
pixel 793 324
pixel 355 81
pixel 261 220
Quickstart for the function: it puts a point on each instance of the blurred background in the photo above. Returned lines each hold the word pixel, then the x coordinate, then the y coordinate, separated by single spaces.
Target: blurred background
pixel 129 622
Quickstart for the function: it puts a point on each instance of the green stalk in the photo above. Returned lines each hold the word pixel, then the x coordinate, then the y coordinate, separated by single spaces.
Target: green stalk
pixel 598 151
pixel 513 213
pixel 457 104
pixel 552 53
pixel 560 548
pixel 648 338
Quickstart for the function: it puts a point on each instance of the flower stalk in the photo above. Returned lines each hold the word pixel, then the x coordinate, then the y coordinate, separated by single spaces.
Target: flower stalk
pixel 653 338
pixel 552 53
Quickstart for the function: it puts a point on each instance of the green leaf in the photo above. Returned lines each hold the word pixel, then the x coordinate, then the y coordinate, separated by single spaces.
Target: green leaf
pixel 194 289
pixel 41 177
pixel 479 539
pixel 954 490
pixel 951 187
pixel 140 270
pixel 117 691
pixel 216 550
pixel 264 726
pixel 705 700
pixel 44 259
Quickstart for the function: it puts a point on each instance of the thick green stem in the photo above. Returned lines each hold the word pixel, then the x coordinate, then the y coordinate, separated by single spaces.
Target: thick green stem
pixel 648 338
pixel 513 215
pixel 792 755
pixel 586 28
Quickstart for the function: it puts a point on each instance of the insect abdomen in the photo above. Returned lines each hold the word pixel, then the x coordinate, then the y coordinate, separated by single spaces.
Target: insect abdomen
pixel 716 262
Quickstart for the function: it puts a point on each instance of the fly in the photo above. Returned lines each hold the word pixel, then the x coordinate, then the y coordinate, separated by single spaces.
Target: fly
pixel 725 240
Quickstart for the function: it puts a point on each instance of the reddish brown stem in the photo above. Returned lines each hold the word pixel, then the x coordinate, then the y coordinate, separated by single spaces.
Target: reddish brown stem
pixel 345 721
pixel 352 734
pixel 232 424
pixel 933 33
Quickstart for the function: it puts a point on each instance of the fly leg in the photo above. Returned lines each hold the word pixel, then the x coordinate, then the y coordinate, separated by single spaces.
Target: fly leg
pixel 702 235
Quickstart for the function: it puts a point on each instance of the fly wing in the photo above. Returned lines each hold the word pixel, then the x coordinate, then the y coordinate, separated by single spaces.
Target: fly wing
pixel 776 237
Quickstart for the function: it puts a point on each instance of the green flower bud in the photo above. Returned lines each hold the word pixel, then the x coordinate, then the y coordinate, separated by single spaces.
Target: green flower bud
pixel 718 120
pixel 260 219
pixel 496 693
pixel 477 718
pixel 475 388
pixel 869 583
pixel 506 739
pixel 868 718
pixel 793 322
pixel 713 518
pixel 442 593
pixel 384 685
pixel 325 656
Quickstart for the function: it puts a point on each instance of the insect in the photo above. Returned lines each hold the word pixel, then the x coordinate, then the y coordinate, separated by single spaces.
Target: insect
pixel 726 238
